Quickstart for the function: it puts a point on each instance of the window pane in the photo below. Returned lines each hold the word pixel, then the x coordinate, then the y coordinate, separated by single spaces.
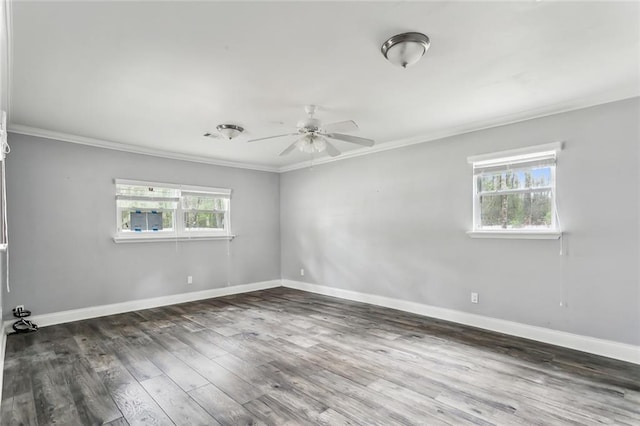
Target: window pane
pixel 167 221
pixel 147 205
pixel 203 220
pixel 515 179
pixel 516 211
pixel 204 202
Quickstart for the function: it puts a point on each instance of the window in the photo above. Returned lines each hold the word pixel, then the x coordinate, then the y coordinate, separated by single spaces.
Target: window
pixel 514 193
pixel 160 211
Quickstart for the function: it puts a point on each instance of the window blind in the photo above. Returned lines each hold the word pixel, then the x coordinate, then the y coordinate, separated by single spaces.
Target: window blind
pixel 543 159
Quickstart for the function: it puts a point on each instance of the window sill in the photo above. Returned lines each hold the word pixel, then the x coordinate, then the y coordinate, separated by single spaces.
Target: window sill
pixel 148 238
pixel 522 235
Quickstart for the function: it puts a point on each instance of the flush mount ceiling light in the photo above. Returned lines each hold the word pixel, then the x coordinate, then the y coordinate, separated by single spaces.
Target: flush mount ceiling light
pixel 229 131
pixel 405 49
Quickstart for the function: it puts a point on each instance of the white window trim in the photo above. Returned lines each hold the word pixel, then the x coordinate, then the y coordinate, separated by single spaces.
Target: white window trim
pixel 510 157
pixel 515 234
pixel 141 238
pixel 531 151
pixel 179 233
pixel 186 188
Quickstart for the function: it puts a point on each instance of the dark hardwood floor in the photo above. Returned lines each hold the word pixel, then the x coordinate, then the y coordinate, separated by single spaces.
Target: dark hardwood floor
pixel 286 357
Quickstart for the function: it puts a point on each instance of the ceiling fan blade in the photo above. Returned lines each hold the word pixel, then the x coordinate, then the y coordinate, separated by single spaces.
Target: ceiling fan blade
pixel 272 137
pixel 352 139
pixel 289 148
pixel 341 126
pixel 332 150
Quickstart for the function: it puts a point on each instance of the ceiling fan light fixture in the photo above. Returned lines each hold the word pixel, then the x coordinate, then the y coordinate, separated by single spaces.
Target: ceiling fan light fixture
pixel 310 144
pixel 229 131
pixel 405 49
pixel 320 144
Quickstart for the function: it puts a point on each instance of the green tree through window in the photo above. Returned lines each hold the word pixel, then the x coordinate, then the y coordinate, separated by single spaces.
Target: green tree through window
pixel 515 192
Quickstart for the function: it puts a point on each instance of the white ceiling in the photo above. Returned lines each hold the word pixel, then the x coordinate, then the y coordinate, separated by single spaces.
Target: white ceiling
pixel 157 75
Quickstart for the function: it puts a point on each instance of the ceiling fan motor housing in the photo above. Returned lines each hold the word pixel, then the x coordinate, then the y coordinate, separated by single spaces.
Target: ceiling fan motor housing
pixel 309 125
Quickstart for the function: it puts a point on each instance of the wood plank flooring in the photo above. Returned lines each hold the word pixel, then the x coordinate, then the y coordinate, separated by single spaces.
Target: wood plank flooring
pixel 286 357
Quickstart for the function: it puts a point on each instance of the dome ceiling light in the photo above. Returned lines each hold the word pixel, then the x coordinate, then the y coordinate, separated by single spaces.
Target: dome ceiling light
pixel 228 131
pixel 405 49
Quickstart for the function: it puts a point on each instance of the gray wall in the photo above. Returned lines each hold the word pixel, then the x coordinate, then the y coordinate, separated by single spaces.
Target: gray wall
pixel 62 218
pixel 393 224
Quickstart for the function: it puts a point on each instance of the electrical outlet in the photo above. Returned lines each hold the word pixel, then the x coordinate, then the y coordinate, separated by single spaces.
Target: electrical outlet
pixel 19 308
pixel 189 279
pixel 474 297
pixel 301 272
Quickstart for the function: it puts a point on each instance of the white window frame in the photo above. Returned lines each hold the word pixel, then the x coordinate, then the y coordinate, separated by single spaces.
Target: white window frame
pixel 179 232
pixel 516 158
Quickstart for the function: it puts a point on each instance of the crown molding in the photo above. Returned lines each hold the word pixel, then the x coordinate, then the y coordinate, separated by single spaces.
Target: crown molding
pixel 503 120
pixel 6 62
pixel 118 146
pixel 500 121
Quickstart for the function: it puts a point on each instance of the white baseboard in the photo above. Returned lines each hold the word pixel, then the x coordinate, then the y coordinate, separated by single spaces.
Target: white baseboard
pixel 135 305
pixel 607 348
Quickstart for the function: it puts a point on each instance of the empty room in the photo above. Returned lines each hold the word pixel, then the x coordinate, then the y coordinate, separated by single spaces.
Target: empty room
pixel 319 212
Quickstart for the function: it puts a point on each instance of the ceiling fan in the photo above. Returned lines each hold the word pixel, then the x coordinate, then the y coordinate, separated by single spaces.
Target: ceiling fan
pixel 313 136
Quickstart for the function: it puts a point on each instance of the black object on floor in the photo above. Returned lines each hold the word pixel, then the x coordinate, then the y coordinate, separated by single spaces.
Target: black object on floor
pixel 23 325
